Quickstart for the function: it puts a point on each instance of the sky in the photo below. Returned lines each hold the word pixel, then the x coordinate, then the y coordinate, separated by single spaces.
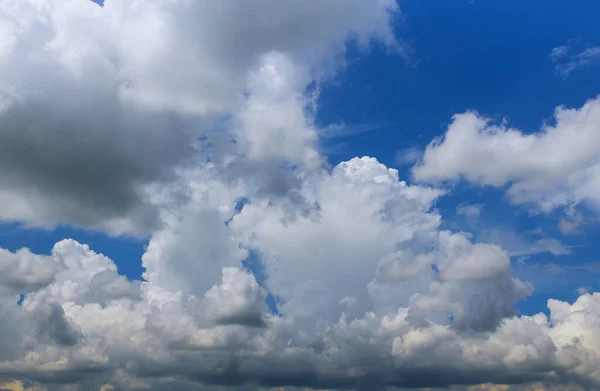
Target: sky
pixel 351 195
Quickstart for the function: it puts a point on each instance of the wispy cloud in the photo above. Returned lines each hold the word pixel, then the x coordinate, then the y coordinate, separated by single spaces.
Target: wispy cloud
pixel 469 211
pixel 342 130
pixel 559 52
pixel 589 267
pixel 573 56
pixel 518 245
pixel 409 156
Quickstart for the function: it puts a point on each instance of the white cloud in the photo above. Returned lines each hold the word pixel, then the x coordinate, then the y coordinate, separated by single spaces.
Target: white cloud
pixel 557 166
pixel 404 318
pixel 316 277
pixel 371 291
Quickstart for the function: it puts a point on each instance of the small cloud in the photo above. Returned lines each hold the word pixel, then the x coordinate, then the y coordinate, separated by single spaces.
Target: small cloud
pixel 582 57
pixel 343 130
pixel 559 52
pixel 582 290
pixel 518 245
pixel 409 156
pixel 553 246
pixel 568 227
pixel 469 211
pixel 571 222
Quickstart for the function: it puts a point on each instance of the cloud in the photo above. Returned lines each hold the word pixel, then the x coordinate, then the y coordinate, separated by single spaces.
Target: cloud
pixel 538 169
pixel 572 221
pixel 469 211
pixel 342 130
pixel 451 314
pixel 238 300
pixel 519 245
pixel 100 105
pixel 23 271
pixel 559 52
pixel 584 57
pixel 158 118
pixel 409 155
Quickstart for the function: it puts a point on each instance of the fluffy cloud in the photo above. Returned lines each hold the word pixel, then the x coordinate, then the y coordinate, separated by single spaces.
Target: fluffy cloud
pixel 99 103
pixel 349 232
pixel 23 271
pixel 379 301
pixel 193 122
pixel 538 168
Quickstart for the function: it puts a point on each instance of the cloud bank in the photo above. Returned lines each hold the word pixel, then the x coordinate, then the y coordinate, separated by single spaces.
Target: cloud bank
pixel 158 117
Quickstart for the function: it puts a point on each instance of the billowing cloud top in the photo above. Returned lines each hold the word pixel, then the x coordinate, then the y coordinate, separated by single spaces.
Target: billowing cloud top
pixel 191 122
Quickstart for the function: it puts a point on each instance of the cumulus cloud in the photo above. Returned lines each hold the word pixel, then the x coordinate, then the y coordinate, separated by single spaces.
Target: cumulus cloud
pixel 422 300
pixel 23 271
pixel 238 300
pixel 555 167
pixel 99 103
pixel 192 122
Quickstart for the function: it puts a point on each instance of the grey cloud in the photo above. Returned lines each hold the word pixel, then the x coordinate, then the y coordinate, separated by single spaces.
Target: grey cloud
pixel 23 271
pixel 90 118
pixel 158 335
pixel 88 160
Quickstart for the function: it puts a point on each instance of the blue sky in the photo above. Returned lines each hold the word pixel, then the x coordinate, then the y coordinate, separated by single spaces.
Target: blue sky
pixel 464 55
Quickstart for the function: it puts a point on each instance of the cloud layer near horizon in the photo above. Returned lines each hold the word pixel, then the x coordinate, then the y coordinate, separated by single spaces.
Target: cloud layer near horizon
pixel 156 118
